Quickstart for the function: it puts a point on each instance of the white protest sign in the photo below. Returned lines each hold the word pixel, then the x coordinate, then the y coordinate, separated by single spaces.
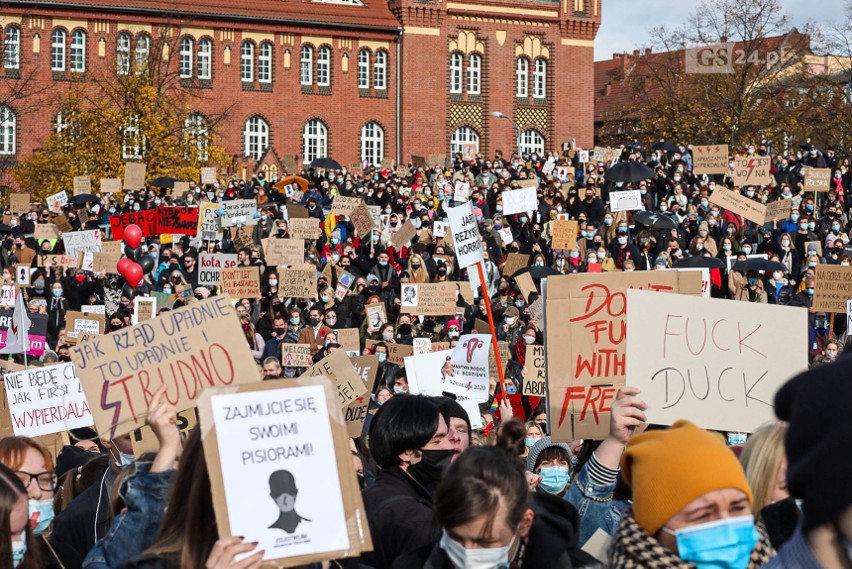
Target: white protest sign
pixel 468 374
pixel 461 191
pixel 211 265
pixel 466 237
pixel 57 201
pixel 238 212
pixel 45 400
pixel 439 229
pixel 714 362
pixel 77 242
pixel 520 200
pixel 628 200
pixel 421 345
pixel 424 372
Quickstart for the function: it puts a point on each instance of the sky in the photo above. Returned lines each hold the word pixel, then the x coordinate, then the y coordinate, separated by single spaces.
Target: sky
pixel 626 23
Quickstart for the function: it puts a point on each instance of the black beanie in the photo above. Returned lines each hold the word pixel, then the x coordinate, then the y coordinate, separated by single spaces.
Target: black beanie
pixel 816 404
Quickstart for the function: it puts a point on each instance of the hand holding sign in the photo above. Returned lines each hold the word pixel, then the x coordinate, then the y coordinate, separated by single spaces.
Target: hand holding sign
pixel 227 548
pixel 628 413
pixel 162 418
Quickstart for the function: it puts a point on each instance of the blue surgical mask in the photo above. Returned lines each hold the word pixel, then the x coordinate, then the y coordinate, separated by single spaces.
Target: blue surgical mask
pixel 295 321
pixel 809 291
pixel 375 238
pixel 530 442
pixel 42 512
pixel 19 549
pixel 125 460
pixel 167 290
pixel 382 357
pixel 383 263
pixel 554 479
pixel 57 292
pixel 721 544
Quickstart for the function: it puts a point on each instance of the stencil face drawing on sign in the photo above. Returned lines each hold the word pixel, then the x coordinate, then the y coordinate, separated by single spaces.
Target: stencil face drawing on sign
pixel 409 296
pixel 282 488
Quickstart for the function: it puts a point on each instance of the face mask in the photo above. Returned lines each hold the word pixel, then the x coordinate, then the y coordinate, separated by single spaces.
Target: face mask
pixel 324 298
pixel 375 238
pixel 530 442
pixel 313 321
pixel 778 275
pixel 574 254
pixel 273 282
pixel 524 220
pixel 431 466
pixel 812 265
pixel 510 320
pixel 289 372
pixel 809 291
pixel 529 340
pixel 785 243
pixel 726 247
pixel 383 263
pixel 136 208
pixel 592 260
pixel 831 355
pixel 19 549
pixel 750 194
pixel 125 460
pixel 463 558
pixel 622 240
pixel 677 179
pixel 387 336
pixel 554 479
pixel 722 544
pixel 41 512
pixel 57 292
pixel 167 290
pixel 747 250
pixel 752 281
pixel 294 321
pixel 607 221
pixel 382 358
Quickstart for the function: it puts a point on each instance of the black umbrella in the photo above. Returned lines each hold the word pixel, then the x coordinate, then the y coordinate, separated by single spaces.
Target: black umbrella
pixel 665 146
pixel 636 147
pixel 81 199
pixel 537 272
pixel 630 171
pixel 655 220
pixel 759 265
pixel 163 182
pixel 700 262
pixel 327 163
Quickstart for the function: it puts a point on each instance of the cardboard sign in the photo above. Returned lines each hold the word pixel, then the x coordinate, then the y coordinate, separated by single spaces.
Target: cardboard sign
pixel 298 282
pixel 45 400
pixel 400 239
pixel 60 262
pixel 585 344
pixel 355 413
pixel 296 355
pixel 241 282
pixel 82 185
pixel 349 339
pixel 62 224
pixel 564 234
pixel 208 175
pixel 188 350
pixel 111 185
pixel 182 220
pixel 290 481
pixel 779 209
pixel 536 309
pixel 19 203
pixel 832 288
pixel 526 285
pixel 520 201
pixel 467 240
pixel 817 179
pixel 397 353
pixel 296 212
pixel 46 231
pixel 146 219
pixel 238 212
pixel 209 228
pixel 739 204
pixel 144 308
pixel 628 200
pixel 77 323
pixel 22 275
pixel 211 265
pixel 106 262
pixel 180 189
pixel 338 367
pixel 710 159
pixel 56 202
pixel 436 299
pixel 376 316
pixel 438 160
pixel 37 331
pixel 714 362
pixel 752 171
pixel 467 374
pixel 468 151
pixel 362 220
pixel 134 175
pixel 515 262
pixel 77 242
pixel 285 252
pixel 307 229
pixel 289 163
pixel 534 378
pixel 144 440
pixel 345 205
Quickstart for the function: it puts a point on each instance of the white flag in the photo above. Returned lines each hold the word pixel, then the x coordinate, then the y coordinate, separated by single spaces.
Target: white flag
pixel 18 334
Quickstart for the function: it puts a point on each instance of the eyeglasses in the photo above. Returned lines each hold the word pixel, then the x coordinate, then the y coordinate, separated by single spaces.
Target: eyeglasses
pixel 45 480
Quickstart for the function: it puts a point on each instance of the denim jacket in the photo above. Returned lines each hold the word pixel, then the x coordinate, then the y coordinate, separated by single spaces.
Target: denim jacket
pixel 594 504
pixel 135 529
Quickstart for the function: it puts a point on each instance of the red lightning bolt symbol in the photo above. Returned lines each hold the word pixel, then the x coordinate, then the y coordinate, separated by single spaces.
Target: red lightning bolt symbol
pixel 750 168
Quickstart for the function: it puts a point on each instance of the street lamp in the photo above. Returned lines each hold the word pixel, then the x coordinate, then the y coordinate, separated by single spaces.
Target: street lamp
pixel 499 115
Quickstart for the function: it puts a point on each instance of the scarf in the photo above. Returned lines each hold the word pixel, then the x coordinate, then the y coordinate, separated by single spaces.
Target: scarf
pixel 633 548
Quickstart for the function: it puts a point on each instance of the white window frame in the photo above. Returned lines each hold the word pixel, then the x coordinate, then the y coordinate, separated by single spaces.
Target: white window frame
pixel 143 51
pixel 324 66
pixel 57 49
pixel 315 137
pixel 531 141
pixel 197 134
pixel 264 62
pixel 474 74
pixel 522 77
pixel 380 75
pixel 187 51
pixel 256 137
pixel 77 60
pixel 540 79
pixel 12 48
pixel 363 68
pixel 132 140
pixel 247 62
pixel 8 131
pixel 122 53
pixel 463 135
pixel 204 60
pixel 456 60
pixel 372 143
pixel 306 65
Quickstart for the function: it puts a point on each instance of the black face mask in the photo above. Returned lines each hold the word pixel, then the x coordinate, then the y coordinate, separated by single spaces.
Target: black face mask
pixel 430 469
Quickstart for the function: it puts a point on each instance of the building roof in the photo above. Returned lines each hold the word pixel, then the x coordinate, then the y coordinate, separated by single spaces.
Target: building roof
pixel 373 14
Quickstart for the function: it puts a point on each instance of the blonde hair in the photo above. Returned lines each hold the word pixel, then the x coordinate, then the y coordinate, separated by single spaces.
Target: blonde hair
pixel 761 458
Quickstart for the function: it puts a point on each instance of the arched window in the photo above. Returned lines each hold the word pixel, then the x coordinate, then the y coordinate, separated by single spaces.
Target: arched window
pixel 78 51
pixel 133 140
pixel 372 143
pixel 57 50
pixel 363 68
pixel 187 49
pixel 540 79
pixel 324 66
pixel 197 134
pixel 316 140
pixel 247 62
pixel 455 73
pixel 256 137
pixel 8 126
pixel 306 65
pixel 143 48
pixel 12 48
pixel 462 138
pixel 205 58
pixel 474 74
pixel 531 142
pixel 380 77
pixel 122 53
pixel 522 74
pixel 264 63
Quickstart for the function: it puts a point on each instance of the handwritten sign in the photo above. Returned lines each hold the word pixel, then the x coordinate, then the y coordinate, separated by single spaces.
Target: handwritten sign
pixel 77 242
pixel 45 400
pixel 181 220
pixel 238 212
pixel 211 265
pixel 520 201
pixel 134 175
pixel 534 378
pixel 209 228
pixel 436 299
pixel 298 282
pixel 345 205
pixel 296 355
pixel 714 362
pixel 338 367
pixel 285 252
pixel 56 202
pixel 832 288
pixel 739 204
pixel 362 220
pixel 186 350
pixel 564 234
pixel 400 239
pixel 146 219
pixel 241 282
pixel 817 179
pixel 752 171
pixel 19 203
pixel 307 229
pixel 779 209
pixel 628 200
pixel 144 308
pixel 515 262
pixel 468 373
pixel 82 185
pixel 208 175
pixel 110 185
pixel 710 159
pixel 466 237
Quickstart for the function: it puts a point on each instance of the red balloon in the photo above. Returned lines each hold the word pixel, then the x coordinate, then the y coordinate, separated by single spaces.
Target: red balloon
pixel 133 235
pixel 122 265
pixel 133 274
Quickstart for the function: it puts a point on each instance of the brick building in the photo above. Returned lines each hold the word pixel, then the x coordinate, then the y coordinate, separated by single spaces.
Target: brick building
pixel 351 79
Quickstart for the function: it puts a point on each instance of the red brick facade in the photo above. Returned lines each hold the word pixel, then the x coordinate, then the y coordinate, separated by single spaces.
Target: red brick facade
pixel 417 114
